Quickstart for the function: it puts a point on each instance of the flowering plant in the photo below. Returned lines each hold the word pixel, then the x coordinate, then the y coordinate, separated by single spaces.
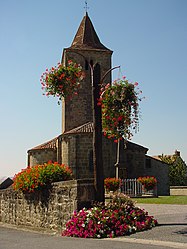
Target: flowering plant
pixel 62 81
pixel 149 182
pixel 112 184
pixel 108 221
pixel 36 177
pixel 119 108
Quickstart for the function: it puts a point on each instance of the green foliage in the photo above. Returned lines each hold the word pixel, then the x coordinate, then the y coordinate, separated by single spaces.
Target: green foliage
pixel 177 170
pixel 121 199
pixel 37 177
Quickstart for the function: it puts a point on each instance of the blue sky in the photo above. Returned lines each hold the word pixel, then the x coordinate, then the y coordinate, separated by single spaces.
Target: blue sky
pixel 149 40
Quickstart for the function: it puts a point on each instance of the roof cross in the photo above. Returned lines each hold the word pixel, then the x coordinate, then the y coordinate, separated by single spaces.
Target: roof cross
pixel 86 6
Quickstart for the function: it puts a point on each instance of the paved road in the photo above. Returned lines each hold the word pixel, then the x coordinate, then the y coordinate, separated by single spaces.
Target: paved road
pixel 172 233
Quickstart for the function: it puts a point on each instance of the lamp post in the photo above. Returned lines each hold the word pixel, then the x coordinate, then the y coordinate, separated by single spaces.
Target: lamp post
pixel 96 83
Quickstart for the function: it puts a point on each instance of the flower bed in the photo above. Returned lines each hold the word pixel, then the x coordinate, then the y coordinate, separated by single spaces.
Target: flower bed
pixel 36 177
pixel 117 218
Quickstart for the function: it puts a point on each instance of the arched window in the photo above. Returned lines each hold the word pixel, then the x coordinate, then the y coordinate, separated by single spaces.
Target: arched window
pixel 86 65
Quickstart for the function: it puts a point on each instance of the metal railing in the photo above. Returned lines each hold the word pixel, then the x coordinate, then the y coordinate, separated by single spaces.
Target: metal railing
pixel 133 188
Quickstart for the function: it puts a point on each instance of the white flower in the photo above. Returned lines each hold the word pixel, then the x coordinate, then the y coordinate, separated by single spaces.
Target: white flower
pixel 98 236
pixel 83 225
pixel 134 228
pixel 87 220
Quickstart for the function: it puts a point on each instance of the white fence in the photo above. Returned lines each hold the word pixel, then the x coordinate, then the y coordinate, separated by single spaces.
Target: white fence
pixel 133 188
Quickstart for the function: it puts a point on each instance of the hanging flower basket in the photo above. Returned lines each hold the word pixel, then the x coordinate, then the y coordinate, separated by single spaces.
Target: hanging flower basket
pixel 112 184
pixel 120 111
pixel 148 182
pixel 62 81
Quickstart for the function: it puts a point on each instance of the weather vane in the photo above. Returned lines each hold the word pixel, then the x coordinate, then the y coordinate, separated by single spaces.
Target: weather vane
pixel 86 6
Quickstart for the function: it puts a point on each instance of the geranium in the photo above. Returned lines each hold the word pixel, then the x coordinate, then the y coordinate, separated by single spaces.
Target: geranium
pixel 109 220
pixel 112 184
pixel 36 177
pixel 62 81
pixel 149 182
pixel 120 113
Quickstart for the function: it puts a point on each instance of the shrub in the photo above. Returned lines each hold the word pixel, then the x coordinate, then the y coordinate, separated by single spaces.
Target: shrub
pixel 110 220
pixel 120 198
pixel 36 177
pixel 112 184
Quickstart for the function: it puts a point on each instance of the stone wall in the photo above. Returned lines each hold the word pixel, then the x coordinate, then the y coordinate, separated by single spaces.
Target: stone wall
pixel 48 209
pixel 178 190
pixel 77 152
pixel 36 157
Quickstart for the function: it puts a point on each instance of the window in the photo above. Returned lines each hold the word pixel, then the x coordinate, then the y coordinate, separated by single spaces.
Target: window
pixel 86 65
pixel 148 163
pixel 91 166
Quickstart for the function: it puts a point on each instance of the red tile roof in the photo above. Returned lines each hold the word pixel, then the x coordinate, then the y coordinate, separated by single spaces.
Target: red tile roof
pixel 85 128
pixel 52 144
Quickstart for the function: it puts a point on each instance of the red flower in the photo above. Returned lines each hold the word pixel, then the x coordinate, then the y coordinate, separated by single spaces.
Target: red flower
pixel 120 118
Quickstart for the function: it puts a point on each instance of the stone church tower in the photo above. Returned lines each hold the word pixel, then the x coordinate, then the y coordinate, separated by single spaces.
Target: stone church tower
pixel 74 146
pixel 86 50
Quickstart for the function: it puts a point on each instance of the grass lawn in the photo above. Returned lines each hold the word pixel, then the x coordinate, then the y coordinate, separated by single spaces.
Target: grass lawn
pixel 182 200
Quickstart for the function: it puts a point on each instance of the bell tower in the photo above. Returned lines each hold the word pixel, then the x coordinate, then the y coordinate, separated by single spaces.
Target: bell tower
pixel 86 50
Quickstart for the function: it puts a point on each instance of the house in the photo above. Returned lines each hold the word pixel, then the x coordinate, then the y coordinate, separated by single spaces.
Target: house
pixel 74 146
pixel 5 182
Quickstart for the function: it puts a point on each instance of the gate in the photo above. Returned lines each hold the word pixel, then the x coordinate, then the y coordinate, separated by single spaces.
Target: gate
pixel 131 187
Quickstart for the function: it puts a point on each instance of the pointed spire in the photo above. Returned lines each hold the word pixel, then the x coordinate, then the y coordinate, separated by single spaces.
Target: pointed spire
pixel 86 37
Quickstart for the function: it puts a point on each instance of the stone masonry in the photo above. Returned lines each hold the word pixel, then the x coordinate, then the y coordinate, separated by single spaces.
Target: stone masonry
pixel 48 209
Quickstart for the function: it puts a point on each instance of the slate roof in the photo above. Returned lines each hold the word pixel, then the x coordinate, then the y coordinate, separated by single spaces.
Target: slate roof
pixel 5 182
pixel 86 36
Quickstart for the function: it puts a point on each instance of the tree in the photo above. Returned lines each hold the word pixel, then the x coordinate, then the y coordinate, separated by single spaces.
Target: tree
pixel 177 169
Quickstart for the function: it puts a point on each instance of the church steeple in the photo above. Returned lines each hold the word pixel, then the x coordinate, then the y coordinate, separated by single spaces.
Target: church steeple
pixel 86 49
pixel 86 36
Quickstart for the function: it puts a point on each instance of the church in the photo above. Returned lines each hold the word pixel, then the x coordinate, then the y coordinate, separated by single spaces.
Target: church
pixel 74 146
